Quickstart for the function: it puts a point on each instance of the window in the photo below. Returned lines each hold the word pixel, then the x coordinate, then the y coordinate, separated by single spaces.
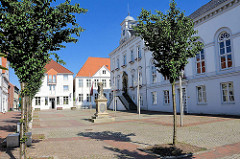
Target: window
pixel 54 78
pixel 118 83
pixel 139 52
pixel 37 101
pixel 54 87
pixel 166 97
pixel 201 94
pixel 50 87
pixel 200 62
pixel 88 82
pixel 132 80
pixel 225 50
pixel 105 95
pixel 140 78
pixel 104 72
pixel 104 83
pixel 165 78
pixel 88 98
pixel 110 83
pixel 65 100
pixel 96 82
pixel 132 55
pixel 50 79
pixel 80 83
pixel 80 97
pixel 154 97
pixel 65 88
pixel 141 100
pixel 118 65
pixel 124 59
pixel 227 92
pixel 58 101
pixel 154 74
pixel 46 100
pixel 65 77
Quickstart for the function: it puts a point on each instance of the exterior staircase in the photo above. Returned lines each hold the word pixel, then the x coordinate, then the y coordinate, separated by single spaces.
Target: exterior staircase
pixel 131 105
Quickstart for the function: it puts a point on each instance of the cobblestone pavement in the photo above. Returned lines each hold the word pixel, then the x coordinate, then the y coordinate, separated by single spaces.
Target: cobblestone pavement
pixel 69 134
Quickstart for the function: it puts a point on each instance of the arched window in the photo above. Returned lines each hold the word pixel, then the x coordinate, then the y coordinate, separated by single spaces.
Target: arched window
pixel 225 50
pixel 153 74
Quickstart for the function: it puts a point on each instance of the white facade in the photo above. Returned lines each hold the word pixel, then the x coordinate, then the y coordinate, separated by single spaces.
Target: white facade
pixel 4 80
pixel 56 91
pixel 83 87
pixel 211 80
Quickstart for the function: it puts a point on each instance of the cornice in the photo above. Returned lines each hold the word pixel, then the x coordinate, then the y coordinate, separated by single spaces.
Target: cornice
pixel 216 11
pixel 125 44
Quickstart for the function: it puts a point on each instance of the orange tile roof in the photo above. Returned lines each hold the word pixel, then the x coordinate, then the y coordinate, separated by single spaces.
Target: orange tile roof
pixel 92 65
pixel 4 64
pixel 57 67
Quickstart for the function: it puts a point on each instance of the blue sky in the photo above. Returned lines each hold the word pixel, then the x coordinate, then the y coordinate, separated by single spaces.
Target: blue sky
pixel 103 30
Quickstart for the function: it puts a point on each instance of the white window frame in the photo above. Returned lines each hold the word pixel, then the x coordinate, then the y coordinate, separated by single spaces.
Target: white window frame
pixel 46 100
pixel 37 100
pixel 104 81
pixel 201 57
pixel 201 94
pixel 64 88
pixel 88 82
pixel 80 83
pixel 88 98
pixel 132 55
pixel 227 93
pixel 104 72
pixel 222 39
pixel 154 98
pixel 124 59
pixel 80 97
pixel 139 53
pixel 65 100
pixel 65 77
pixel 166 97
pixel 96 83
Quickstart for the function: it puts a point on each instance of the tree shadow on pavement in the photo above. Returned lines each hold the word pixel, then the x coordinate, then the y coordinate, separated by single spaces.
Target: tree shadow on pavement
pixel 123 154
pixel 107 135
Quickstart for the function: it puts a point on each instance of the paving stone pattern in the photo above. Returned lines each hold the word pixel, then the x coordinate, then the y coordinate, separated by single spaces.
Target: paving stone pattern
pixel 70 134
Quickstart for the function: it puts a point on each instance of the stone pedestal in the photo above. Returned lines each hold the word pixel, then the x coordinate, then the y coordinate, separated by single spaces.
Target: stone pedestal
pixel 13 140
pixel 101 114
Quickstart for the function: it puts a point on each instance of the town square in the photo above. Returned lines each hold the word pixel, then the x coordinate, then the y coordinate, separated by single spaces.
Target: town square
pixel 159 81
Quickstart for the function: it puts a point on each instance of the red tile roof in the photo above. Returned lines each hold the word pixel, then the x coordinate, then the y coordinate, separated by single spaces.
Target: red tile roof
pixel 92 65
pixel 57 67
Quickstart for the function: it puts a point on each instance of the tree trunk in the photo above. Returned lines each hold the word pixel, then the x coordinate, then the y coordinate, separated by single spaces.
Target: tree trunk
pixel 174 115
pixel 22 145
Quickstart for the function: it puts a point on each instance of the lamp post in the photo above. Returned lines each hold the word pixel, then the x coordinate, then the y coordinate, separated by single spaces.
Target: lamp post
pixel 138 103
pixel 181 100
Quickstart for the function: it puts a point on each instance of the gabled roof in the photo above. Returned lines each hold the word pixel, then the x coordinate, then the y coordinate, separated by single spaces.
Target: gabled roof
pixel 92 65
pixel 205 8
pixel 57 67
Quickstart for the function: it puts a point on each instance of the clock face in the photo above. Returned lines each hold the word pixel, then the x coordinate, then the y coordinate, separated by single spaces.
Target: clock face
pixel 102 107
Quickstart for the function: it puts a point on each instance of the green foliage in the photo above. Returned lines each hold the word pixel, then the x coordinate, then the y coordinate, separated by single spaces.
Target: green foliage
pixel 32 30
pixel 170 37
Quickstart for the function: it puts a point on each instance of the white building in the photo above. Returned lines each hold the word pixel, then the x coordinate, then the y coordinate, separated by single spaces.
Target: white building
pixel 56 90
pixel 211 79
pixel 93 71
pixel 4 80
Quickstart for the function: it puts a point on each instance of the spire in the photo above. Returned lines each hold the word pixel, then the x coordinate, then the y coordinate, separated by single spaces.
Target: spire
pixel 128 10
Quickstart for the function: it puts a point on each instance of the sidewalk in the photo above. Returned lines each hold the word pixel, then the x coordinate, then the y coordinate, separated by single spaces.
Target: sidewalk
pixel 69 134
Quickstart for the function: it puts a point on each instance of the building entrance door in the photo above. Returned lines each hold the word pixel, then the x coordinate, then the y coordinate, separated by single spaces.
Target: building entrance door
pixel 52 100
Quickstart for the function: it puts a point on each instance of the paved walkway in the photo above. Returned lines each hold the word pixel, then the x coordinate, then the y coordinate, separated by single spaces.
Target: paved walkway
pixel 69 134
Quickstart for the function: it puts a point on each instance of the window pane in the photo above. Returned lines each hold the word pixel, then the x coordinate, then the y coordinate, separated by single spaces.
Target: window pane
pixel 221 44
pixel 202 54
pixel 228 42
pixel 229 58
pixel 222 51
pixel 231 98
pixel 223 62
pixel 198 57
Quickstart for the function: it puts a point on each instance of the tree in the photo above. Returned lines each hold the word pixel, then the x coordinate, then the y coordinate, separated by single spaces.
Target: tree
pixel 32 30
pixel 171 39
